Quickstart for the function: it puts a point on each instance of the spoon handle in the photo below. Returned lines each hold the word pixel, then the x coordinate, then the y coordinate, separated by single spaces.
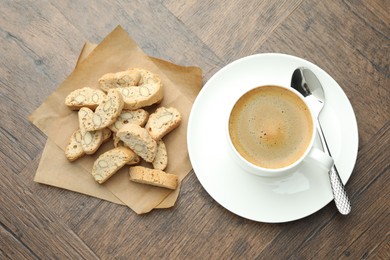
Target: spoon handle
pixel 341 199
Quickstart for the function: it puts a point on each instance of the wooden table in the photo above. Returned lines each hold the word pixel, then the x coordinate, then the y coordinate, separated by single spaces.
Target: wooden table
pixel 39 45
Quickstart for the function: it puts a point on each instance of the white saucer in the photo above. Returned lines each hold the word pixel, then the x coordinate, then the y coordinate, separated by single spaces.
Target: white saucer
pixel 278 199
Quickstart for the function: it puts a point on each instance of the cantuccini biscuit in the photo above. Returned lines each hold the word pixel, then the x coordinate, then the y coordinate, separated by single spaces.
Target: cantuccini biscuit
pixel 153 177
pixel 74 150
pixel 90 140
pixel 118 142
pixel 139 140
pixel 163 121
pixel 110 162
pixel 138 117
pixel 160 161
pixel 85 97
pixel 127 78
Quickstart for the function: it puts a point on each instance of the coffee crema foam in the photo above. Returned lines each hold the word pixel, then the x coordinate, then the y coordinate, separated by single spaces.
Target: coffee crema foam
pixel 270 127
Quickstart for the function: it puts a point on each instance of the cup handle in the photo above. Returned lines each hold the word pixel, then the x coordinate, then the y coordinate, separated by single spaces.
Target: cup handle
pixel 322 158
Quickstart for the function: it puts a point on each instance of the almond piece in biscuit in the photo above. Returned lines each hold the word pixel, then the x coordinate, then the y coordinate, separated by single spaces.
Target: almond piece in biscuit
pixel 110 162
pixel 153 177
pixel 120 79
pixel 148 92
pixel 138 117
pixel 74 150
pixel 91 140
pixel 163 121
pixel 105 114
pixel 139 140
pixel 84 97
pixel 160 162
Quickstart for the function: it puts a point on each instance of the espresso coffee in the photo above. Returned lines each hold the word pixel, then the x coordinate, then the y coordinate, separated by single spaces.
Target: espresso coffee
pixel 270 127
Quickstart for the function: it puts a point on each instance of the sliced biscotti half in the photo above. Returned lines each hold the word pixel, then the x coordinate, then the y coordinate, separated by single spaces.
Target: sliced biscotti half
pixel 119 143
pixel 153 177
pixel 139 140
pixel 105 114
pixel 148 92
pixel 163 121
pixel 74 150
pixel 160 162
pixel 138 117
pixel 127 78
pixel 90 140
pixel 84 97
pixel 110 162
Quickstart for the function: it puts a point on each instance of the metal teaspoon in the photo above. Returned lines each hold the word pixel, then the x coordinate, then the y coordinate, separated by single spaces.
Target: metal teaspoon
pixel 307 83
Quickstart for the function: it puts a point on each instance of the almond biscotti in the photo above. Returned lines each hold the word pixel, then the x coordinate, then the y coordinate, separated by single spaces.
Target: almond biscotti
pixel 163 121
pixel 153 177
pixel 85 97
pixel 105 114
pixel 148 91
pixel 160 161
pixel 110 162
pixel 138 117
pixel 74 150
pixel 118 142
pixel 139 140
pixel 90 140
pixel 127 78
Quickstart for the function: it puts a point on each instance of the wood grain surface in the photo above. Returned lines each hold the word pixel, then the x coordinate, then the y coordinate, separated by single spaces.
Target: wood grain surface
pixel 39 45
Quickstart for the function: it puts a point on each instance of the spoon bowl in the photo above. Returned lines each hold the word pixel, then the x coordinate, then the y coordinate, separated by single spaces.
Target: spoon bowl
pixel 313 93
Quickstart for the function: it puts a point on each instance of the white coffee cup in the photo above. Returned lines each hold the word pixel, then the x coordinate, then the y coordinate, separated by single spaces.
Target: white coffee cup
pixel 251 98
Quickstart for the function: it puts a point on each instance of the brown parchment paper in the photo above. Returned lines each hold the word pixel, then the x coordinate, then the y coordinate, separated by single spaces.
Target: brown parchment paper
pixel 115 53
